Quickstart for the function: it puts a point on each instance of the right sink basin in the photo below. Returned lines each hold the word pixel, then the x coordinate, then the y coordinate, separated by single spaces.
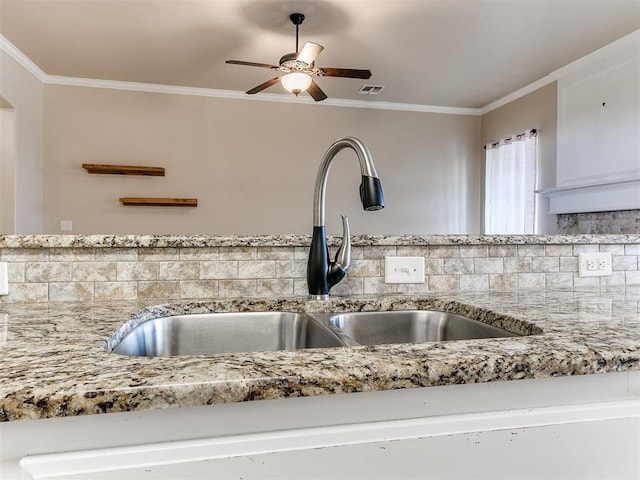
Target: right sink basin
pixel 409 326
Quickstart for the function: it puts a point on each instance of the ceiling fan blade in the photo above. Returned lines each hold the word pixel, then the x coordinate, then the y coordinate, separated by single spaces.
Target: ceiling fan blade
pixel 346 72
pixel 251 64
pixel 309 52
pixel 264 85
pixel 316 92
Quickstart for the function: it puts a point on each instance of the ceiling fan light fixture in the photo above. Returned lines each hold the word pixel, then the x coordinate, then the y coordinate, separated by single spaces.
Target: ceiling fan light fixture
pixel 299 68
pixel 296 82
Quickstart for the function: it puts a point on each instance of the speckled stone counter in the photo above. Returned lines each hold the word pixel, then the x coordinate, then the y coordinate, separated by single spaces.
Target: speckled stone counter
pixel 195 241
pixel 54 363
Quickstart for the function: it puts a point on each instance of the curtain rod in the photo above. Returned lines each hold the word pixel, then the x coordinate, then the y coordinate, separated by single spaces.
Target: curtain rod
pixel 506 141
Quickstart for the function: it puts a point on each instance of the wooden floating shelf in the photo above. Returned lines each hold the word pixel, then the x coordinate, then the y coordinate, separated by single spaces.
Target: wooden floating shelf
pixel 123 169
pixel 159 202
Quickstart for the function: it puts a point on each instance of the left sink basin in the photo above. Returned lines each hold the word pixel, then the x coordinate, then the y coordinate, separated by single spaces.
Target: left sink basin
pixel 211 333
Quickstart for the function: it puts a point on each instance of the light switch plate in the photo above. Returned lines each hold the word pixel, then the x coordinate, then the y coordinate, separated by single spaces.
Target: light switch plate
pixel 4 279
pixel 403 269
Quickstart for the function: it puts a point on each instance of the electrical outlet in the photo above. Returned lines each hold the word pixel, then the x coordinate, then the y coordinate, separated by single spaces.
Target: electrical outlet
pixel 66 225
pixel 594 264
pixel 403 269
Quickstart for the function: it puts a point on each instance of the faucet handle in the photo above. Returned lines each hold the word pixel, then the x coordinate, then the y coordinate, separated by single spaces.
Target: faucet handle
pixel 343 255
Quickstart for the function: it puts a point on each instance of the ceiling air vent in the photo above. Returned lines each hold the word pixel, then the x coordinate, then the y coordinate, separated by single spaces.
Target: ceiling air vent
pixel 370 89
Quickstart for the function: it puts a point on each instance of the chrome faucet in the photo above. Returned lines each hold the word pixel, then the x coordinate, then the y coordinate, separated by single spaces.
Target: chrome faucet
pixel 322 274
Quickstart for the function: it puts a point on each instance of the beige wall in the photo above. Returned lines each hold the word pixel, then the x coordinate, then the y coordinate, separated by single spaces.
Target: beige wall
pixel 252 164
pixel 23 93
pixel 535 110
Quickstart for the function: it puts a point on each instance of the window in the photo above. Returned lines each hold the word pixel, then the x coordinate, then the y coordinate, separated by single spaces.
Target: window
pixel 510 181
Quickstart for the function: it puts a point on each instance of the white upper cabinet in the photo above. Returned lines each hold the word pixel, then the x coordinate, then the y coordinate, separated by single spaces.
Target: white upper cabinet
pixel 598 151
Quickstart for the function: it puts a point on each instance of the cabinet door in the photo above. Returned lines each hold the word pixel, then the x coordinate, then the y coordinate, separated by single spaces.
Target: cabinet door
pixel 598 149
pixel 599 127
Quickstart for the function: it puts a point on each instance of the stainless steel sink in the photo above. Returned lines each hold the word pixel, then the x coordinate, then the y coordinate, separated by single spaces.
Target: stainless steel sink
pixel 411 326
pixel 210 333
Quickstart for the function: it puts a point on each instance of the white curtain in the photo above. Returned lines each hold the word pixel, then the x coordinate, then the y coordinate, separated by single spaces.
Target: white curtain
pixel 510 182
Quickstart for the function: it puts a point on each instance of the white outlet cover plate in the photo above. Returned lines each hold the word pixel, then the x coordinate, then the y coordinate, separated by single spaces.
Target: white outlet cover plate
pixel 403 269
pixel 599 257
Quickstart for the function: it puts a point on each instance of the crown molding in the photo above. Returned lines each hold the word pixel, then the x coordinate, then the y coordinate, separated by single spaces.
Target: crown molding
pixel 24 61
pixel 263 97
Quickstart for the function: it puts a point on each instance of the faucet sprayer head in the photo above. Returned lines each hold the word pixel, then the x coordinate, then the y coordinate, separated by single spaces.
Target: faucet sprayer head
pixel 371 194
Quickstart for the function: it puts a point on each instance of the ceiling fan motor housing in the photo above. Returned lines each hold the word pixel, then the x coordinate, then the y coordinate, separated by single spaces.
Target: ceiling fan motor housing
pixel 290 63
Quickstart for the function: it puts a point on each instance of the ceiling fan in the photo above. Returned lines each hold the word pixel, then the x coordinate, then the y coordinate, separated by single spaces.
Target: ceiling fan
pixel 298 68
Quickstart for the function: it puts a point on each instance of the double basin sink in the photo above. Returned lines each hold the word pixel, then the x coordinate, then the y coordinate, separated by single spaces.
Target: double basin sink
pixel 212 333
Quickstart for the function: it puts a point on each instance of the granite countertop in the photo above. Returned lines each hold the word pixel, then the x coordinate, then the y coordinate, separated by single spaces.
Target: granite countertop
pixel 54 363
pixel 160 241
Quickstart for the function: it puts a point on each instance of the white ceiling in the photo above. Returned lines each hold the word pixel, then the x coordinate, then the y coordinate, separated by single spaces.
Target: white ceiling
pixel 455 53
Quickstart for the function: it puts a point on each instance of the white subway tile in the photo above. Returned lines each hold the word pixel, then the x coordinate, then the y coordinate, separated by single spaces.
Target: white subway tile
pixel 440 283
pixel 376 285
pixel 291 268
pixel 126 271
pixel 38 272
pixel 237 288
pixel 632 277
pixel 221 269
pixel 503 250
pixel 531 280
pixel 458 266
pixel 503 281
pixel 568 264
pixel 488 265
pixel 474 251
pixel 93 271
pixel 274 287
pixel 181 270
pixel 443 251
pixel 559 280
pixel 530 250
pixel 474 282
pixel 27 293
pixel 374 252
pixel 558 250
pixel 158 289
pixel 70 291
pixel 257 269
pixel 198 288
pixel 545 264
pixel 629 262
pixel 104 291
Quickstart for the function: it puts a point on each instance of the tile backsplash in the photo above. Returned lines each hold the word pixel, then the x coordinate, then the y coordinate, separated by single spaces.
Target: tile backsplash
pixel 623 221
pixel 87 273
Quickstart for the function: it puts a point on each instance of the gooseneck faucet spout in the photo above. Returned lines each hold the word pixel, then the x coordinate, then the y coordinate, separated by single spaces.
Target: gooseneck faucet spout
pixel 321 273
